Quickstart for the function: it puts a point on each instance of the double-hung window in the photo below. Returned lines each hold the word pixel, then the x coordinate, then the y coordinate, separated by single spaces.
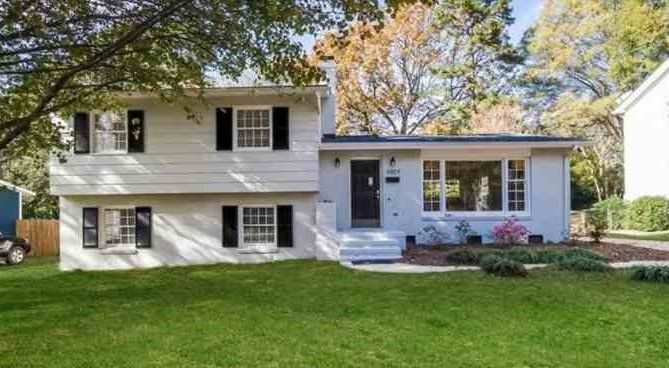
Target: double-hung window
pixel 253 128
pixel 110 133
pixel 258 226
pixel 490 187
pixel 119 227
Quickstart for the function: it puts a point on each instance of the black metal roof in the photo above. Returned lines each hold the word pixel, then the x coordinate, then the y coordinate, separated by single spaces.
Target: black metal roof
pixel 480 138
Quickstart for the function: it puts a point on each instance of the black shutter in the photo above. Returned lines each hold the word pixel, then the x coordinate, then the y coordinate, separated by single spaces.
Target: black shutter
pixel 230 226
pixel 143 227
pixel 224 129
pixel 90 227
pixel 284 217
pixel 280 128
pixel 135 131
pixel 82 133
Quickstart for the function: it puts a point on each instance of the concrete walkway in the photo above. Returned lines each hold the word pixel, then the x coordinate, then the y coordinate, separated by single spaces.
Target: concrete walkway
pixel 413 268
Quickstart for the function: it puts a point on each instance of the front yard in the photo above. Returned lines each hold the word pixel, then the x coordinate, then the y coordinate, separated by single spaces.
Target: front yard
pixel 310 314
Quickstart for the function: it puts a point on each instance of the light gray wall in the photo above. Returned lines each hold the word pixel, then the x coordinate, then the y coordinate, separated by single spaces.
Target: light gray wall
pixel 646 132
pixel 400 202
pixel 549 196
pixel 180 155
pixel 187 229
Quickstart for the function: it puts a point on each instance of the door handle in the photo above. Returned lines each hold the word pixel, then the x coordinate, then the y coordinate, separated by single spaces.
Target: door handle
pixel 377 194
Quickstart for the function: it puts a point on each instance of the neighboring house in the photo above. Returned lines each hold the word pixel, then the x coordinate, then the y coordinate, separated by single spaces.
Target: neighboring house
pixel 262 177
pixel 645 114
pixel 11 206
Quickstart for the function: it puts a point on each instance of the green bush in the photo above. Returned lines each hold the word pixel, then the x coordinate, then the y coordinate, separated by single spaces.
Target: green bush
pixel 596 222
pixel 499 266
pixel 614 210
pixel 462 256
pixel 648 214
pixel 580 253
pixel 652 274
pixel 520 254
pixel 583 264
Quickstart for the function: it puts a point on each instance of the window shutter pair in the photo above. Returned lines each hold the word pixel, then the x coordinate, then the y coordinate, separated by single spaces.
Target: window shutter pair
pixel 280 128
pixel 142 227
pixel 284 223
pixel 82 130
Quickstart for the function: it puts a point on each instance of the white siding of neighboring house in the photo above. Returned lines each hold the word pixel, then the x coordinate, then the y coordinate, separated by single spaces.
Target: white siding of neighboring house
pixel 186 229
pixel 646 129
pixel 180 155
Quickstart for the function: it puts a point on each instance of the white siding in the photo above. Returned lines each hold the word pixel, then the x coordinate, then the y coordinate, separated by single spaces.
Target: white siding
pixel 180 155
pixel 646 128
pixel 187 229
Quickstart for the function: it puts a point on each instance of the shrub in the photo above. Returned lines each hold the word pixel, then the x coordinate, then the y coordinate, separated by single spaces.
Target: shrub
pixel 463 228
pixel 431 236
pixel 462 256
pixel 510 231
pixel 580 253
pixel 496 265
pixel 596 223
pixel 583 264
pixel 522 255
pixel 648 214
pixel 614 210
pixel 652 274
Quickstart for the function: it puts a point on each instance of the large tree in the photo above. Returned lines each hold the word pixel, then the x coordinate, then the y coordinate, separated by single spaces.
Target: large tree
pixel 60 55
pixel 424 68
pixel 589 52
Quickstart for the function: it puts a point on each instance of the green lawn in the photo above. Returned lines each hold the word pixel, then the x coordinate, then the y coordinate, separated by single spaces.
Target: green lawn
pixel 661 236
pixel 311 314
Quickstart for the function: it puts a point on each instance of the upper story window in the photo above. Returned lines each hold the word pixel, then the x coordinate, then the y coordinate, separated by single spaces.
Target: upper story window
pixel 475 187
pixel 254 128
pixel 110 133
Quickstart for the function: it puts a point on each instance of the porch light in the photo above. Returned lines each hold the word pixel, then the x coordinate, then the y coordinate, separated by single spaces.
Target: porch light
pixel 392 161
pixel 337 162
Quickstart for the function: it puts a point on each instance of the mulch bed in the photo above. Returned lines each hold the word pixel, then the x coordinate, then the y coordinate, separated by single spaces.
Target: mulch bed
pixel 434 256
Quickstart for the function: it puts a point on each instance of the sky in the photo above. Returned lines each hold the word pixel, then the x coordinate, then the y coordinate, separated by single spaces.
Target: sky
pixel 525 12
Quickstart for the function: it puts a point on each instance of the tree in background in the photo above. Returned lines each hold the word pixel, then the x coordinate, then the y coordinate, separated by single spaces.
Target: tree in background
pixel 423 69
pixel 589 52
pixel 31 171
pixel 504 116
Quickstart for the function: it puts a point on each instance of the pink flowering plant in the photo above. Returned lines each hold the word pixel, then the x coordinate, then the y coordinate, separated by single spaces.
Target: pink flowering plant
pixel 510 231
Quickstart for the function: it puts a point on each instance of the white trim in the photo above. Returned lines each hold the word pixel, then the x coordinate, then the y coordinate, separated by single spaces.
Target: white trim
pixel 91 133
pixel 259 90
pixel 235 147
pixel 476 215
pixel 630 99
pixel 256 247
pixel 16 188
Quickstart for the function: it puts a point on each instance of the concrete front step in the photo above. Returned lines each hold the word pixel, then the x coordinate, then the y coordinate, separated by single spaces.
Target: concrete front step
pixel 370 253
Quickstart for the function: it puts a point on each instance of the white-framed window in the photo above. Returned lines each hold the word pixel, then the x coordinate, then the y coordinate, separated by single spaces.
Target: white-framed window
pixel 119 227
pixel 258 226
pixel 110 132
pixel 253 128
pixel 516 185
pixel 475 188
pixel 431 186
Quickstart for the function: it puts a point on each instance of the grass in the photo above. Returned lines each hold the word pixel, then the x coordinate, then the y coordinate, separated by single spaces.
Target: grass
pixel 660 236
pixel 318 314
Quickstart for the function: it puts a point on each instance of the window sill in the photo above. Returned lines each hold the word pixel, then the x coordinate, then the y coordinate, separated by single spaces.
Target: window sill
pixel 122 250
pixel 258 250
pixel 474 217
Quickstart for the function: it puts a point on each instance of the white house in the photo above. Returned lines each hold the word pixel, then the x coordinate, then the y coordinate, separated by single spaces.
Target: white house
pixel 263 177
pixel 645 114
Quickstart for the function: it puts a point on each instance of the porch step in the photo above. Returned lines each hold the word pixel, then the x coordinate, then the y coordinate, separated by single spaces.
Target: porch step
pixel 371 245
pixel 370 253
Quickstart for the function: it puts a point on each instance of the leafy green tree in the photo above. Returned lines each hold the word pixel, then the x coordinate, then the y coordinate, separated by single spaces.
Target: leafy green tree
pixel 30 171
pixel 59 55
pixel 588 52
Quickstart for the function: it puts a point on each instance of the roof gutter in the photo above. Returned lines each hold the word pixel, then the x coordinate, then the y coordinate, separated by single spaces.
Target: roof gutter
pixel 349 146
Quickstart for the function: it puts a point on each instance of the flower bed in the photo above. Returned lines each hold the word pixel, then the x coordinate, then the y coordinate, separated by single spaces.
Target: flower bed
pixel 436 255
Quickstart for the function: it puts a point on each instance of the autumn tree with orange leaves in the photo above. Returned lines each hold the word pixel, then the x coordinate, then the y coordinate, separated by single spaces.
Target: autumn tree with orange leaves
pixel 424 69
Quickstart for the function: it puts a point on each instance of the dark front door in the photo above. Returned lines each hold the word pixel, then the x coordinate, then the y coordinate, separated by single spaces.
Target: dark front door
pixel 365 193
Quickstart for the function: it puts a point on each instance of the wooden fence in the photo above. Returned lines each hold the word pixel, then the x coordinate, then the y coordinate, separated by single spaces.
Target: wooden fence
pixel 43 235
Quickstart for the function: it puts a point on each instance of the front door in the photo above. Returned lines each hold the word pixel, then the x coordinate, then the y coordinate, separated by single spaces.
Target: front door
pixel 365 193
